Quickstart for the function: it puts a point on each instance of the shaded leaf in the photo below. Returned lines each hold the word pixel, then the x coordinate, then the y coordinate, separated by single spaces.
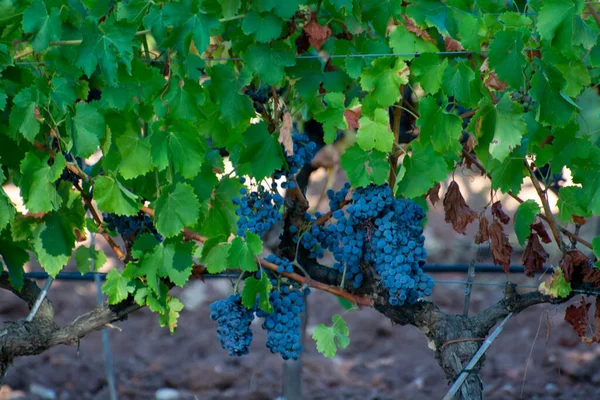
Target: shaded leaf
pixel 534 256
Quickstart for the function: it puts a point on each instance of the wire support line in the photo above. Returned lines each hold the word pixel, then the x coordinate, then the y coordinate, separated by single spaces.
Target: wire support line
pixel 308 56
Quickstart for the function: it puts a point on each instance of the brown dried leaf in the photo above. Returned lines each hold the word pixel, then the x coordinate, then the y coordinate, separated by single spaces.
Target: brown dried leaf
pixel 456 209
pixel 540 229
pixel 501 248
pixel 302 43
pixel 434 194
pixel 420 32
pixel 483 235
pixel 574 263
pixel 317 34
pixel 484 66
pixel 592 275
pixel 352 117
pixel 469 146
pixel 534 256
pixel 285 133
pixel 577 317
pixel 578 220
pixel 493 82
pixel 36 113
pixel 596 337
pixel 499 213
pixel 452 45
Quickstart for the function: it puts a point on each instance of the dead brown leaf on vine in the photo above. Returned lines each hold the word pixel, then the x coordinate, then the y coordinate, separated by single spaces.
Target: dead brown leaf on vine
pixel 493 82
pixel 577 317
pixel 578 220
pixel 534 256
pixel 420 32
pixel 574 263
pixel 456 209
pixel 452 45
pixel 499 213
pixel 317 34
pixel 483 234
pixel 501 248
pixel 433 194
pixel 540 229
pixel 285 133
pixel 352 117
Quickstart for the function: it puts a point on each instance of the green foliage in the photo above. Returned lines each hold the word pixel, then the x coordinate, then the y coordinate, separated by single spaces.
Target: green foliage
pixel 330 338
pixel 154 98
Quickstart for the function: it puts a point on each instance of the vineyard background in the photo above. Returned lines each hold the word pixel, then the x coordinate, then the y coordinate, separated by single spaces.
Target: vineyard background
pixel 382 362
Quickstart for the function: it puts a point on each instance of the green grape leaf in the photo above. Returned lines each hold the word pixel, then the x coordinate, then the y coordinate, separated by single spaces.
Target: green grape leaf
pixel 257 287
pixel 571 202
pixel 364 167
pixel 254 242
pixel 181 102
pixel 216 258
pixel 524 217
pixel 135 153
pixel 221 218
pixel 188 25
pixel 84 256
pixel 546 86
pixel 441 129
pixel 176 208
pixel 54 239
pixel 7 210
pixel 375 133
pixel 384 78
pixel 260 151
pixel 14 257
pixel 268 62
pixel 179 146
pixel 264 28
pixel 330 338
pixel 506 56
pixel 226 85
pixel 23 115
pixel 88 128
pixel 106 46
pixel 63 93
pixel 407 43
pixel 332 116
pixel 45 28
pixel 117 286
pixel 230 7
pixel 241 256
pixel 596 248
pixel 502 126
pixel 112 197
pixel 170 259
pixel 37 182
pixel 459 81
pixel 427 70
pixel 555 21
pixel 422 169
pixel 142 85
pixel 170 317
pixel 556 286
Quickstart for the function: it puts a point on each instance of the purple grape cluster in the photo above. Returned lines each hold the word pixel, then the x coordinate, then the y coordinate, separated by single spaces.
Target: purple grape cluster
pixel 258 210
pixel 66 174
pixel 376 230
pixel 234 319
pixel 304 151
pixel 131 226
pixel 283 264
pixel 283 324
